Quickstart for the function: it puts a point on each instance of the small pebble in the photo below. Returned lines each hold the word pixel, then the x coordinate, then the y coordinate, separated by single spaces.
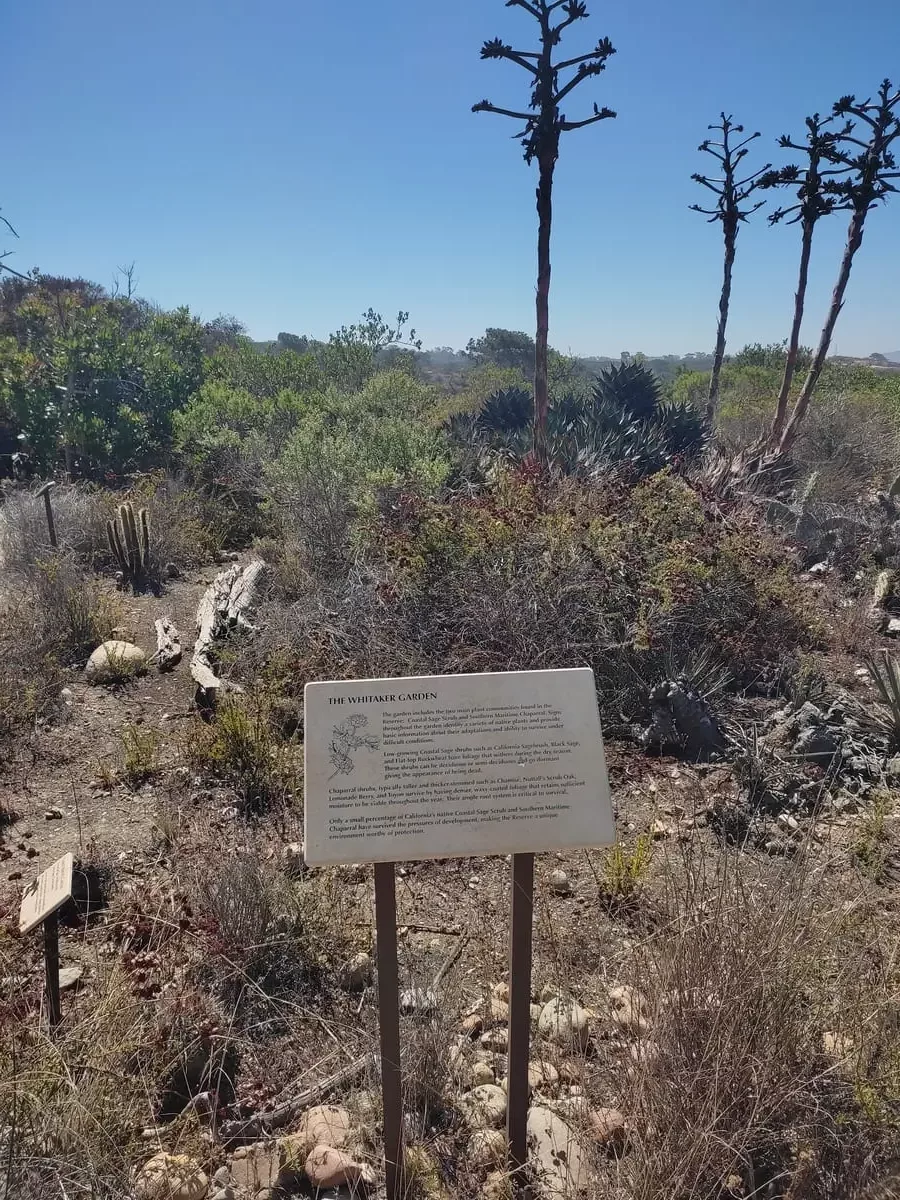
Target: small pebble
pixel 53 814
pixel 560 883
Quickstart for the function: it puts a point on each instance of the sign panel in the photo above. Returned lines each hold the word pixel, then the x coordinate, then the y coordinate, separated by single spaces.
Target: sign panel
pixel 446 766
pixel 47 893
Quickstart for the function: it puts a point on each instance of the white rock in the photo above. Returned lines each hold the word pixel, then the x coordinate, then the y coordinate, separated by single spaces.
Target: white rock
pixel 628 1009
pixel 69 977
pixel 113 660
pixel 485 1106
pixel 487 1148
pixel 356 974
pixel 482 1073
pixel 170 1177
pixel 564 1022
pixel 560 1164
pixel 560 883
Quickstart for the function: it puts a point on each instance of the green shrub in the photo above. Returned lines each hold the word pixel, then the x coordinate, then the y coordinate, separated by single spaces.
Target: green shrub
pixel 634 583
pixel 240 748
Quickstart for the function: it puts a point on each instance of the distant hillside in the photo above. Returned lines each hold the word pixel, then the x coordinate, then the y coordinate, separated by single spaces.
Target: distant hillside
pixel 895 357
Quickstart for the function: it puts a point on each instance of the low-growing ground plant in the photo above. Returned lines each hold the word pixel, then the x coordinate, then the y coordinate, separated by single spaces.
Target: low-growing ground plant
pixel 140 751
pixel 625 871
pixel 242 749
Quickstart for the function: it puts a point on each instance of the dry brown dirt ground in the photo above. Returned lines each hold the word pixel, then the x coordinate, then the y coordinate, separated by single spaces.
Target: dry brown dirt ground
pixel 583 940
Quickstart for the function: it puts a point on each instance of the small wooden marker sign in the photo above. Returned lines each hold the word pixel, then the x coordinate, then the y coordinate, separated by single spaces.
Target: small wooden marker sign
pixel 41 901
pixel 446 766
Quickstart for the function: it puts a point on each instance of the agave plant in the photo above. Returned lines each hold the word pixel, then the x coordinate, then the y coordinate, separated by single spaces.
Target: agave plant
pixel 506 411
pixel 630 387
pixel 623 424
pixel 885 672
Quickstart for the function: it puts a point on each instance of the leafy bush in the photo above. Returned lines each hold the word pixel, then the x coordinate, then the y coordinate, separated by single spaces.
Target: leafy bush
pixel 241 748
pixel 634 583
pixel 92 381
pixel 332 467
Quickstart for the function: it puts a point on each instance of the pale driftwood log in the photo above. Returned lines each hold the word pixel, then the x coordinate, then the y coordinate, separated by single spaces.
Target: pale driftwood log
pixel 224 607
pixel 168 645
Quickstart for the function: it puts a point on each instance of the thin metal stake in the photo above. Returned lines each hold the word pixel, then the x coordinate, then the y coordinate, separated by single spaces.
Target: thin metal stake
pixel 389 1026
pixel 519 1011
pixel 51 968
pixel 44 491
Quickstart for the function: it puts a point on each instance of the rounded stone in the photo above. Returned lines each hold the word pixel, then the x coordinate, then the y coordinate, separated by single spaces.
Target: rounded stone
pixel 325 1125
pixel 170 1177
pixel 327 1167
pixel 560 883
pixel 482 1073
pixel 609 1128
pixel 564 1022
pixel 485 1106
pixel 357 974
pixel 487 1148
pixel 113 660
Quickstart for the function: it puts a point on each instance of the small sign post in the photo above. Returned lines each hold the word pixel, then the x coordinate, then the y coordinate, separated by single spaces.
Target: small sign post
pixel 445 766
pixel 41 902
pixel 522 925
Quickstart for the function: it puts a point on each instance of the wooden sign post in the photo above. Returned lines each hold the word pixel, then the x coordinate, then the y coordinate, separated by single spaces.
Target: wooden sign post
pixel 41 902
pixel 447 766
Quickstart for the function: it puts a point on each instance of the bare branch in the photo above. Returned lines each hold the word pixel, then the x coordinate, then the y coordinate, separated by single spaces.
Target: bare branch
pixel 486 106
pixel 498 49
pixel 524 4
pixel 601 114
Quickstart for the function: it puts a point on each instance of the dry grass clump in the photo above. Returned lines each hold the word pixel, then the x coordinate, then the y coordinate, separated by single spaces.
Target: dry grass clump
pixel 79 517
pixel 270 938
pixel 56 616
pixel 732 1092
pixel 72 1108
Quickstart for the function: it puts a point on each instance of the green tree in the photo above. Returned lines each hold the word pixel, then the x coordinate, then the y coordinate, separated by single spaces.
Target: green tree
pixel 503 348
pixel 93 379
pixel 870 173
pixel 731 192
pixel 544 124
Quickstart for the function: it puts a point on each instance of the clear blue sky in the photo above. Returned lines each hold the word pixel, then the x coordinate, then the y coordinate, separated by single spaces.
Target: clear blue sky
pixel 295 161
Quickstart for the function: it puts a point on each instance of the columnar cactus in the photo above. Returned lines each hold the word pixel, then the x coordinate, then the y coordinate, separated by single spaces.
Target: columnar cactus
pixel 129 541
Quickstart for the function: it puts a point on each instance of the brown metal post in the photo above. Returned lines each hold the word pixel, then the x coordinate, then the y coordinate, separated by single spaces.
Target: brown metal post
pixel 51 524
pixel 389 1026
pixel 51 968
pixel 519 1011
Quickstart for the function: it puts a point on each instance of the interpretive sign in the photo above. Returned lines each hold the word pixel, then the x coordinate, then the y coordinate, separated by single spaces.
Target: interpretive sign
pixel 47 893
pixel 41 901
pixel 448 766
pixel 444 766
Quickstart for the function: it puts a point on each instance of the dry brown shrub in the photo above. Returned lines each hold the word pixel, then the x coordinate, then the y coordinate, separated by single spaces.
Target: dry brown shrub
pixel 731 1088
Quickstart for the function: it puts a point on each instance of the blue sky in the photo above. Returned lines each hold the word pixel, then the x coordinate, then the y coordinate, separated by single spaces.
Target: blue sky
pixel 294 161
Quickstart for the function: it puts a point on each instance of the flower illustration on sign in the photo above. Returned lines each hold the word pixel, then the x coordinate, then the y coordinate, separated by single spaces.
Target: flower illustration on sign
pixel 345 738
